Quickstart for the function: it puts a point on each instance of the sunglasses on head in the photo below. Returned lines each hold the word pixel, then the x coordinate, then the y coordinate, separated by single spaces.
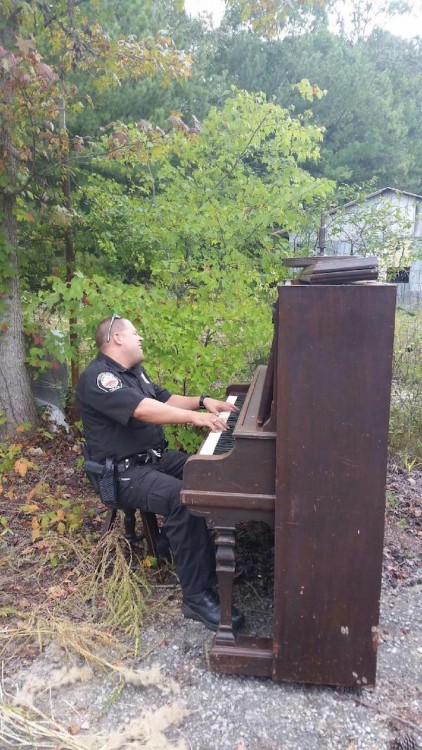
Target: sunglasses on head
pixel 112 319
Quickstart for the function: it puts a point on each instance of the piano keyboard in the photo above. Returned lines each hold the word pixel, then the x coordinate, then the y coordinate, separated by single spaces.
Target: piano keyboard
pixel 221 442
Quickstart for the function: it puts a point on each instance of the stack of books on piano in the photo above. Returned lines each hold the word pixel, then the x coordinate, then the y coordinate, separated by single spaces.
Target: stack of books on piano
pixel 336 269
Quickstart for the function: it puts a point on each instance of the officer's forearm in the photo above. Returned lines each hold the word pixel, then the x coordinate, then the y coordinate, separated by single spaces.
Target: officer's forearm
pixel 184 402
pixel 150 410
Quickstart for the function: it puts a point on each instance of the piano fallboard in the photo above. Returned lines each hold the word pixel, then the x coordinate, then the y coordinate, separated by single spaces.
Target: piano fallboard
pixel 246 426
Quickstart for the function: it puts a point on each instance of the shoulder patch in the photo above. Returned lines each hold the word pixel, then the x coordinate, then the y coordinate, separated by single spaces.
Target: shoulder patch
pixel 108 381
pixel 144 377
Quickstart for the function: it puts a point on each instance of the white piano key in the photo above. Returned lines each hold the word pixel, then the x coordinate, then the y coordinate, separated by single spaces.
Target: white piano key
pixel 208 446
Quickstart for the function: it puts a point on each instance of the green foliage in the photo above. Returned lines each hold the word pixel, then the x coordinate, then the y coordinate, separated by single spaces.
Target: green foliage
pixel 41 47
pixel 406 403
pixel 370 115
pixel 272 17
pixel 194 342
pixel 195 199
pixel 392 501
pixel 199 224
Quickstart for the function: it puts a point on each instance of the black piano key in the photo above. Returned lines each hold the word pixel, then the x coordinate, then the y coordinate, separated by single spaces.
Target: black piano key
pixel 226 440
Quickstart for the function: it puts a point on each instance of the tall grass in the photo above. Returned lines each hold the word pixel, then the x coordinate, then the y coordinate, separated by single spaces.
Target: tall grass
pixel 106 594
pixel 406 394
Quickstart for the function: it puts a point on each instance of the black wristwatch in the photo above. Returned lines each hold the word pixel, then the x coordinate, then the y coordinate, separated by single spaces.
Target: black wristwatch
pixel 202 399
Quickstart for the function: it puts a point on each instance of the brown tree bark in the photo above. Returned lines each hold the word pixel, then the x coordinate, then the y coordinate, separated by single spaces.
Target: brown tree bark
pixel 16 400
pixel 17 403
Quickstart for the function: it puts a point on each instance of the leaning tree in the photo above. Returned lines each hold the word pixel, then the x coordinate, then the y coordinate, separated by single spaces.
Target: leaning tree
pixel 35 146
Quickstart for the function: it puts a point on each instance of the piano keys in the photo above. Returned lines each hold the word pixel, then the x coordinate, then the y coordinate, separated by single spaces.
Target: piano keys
pixel 221 442
pixel 309 458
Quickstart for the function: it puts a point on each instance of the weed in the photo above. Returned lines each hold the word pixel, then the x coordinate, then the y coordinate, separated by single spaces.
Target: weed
pixel 392 501
pixel 8 455
pixel 406 395
pixel 411 463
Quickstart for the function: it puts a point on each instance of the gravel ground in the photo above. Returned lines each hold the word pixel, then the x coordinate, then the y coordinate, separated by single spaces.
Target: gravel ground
pixel 243 713
pixel 183 704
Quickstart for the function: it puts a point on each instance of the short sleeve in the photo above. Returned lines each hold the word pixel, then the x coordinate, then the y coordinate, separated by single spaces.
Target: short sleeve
pixel 162 394
pixel 108 394
pixel 152 389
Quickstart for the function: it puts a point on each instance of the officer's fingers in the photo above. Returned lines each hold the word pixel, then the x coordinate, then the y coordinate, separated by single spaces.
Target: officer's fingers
pixel 226 406
pixel 218 424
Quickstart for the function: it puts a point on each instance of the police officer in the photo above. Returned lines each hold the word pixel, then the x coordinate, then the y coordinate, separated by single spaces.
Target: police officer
pixel 123 412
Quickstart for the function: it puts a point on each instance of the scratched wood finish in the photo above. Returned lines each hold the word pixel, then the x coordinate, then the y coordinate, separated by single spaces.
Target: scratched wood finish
pixel 334 375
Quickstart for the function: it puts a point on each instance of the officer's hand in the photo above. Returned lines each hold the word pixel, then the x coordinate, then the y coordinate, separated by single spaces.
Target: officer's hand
pixel 214 406
pixel 211 421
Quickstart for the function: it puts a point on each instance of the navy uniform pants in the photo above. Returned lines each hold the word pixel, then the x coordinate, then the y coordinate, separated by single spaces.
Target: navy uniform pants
pixel 156 487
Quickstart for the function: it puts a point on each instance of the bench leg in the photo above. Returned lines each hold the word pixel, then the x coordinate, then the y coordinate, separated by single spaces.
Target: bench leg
pixel 151 531
pixel 149 522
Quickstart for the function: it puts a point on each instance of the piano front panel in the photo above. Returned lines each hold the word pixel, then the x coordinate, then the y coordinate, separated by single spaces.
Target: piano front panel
pixel 334 375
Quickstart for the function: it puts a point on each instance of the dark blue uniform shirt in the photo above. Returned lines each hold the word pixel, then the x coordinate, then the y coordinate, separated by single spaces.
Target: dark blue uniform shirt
pixel 107 395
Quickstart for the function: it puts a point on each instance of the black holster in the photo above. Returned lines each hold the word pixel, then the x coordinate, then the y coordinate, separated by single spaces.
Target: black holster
pixel 104 480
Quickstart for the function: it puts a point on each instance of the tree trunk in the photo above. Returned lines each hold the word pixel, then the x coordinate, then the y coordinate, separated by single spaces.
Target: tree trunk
pixel 16 400
pixel 17 403
pixel 69 253
pixel 70 272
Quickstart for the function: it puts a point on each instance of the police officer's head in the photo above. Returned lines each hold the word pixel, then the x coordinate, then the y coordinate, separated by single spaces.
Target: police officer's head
pixel 118 338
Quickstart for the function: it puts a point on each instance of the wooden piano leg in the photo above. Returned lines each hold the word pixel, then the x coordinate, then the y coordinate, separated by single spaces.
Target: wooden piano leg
pixel 225 572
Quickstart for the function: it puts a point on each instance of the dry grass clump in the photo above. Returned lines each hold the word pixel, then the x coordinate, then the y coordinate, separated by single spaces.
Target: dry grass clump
pixel 119 587
pixel 23 724
pixel 22 729
pixel 87 640
pixel 94 607
pixel 65 675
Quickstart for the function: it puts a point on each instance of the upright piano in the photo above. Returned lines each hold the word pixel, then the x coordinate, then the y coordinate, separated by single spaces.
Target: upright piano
pixel 308 457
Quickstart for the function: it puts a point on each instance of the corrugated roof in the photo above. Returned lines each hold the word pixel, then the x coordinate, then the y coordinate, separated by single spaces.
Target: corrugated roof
pixel 385 190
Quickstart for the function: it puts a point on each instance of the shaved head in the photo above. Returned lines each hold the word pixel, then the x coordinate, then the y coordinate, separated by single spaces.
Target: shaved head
pixel 103 330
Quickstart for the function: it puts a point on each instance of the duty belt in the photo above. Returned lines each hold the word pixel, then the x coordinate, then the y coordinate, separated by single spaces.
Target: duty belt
pixel 139 459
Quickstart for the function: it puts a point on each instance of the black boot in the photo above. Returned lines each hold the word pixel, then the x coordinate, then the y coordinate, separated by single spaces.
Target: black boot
pixel 205 607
